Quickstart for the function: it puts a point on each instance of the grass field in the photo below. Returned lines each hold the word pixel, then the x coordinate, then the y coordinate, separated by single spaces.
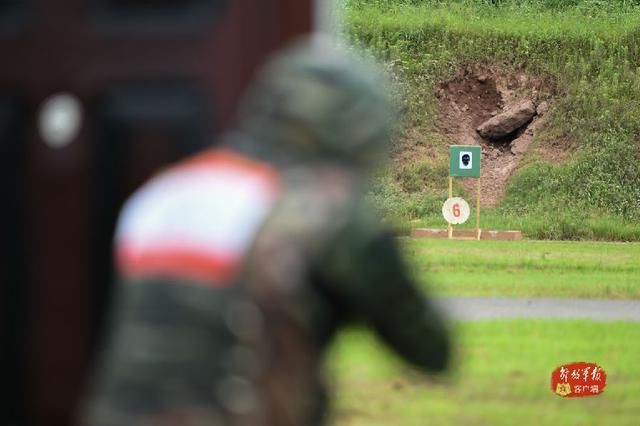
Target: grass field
pixel 527 268
pixel 542 226
pixel 501 373
pixel 501 377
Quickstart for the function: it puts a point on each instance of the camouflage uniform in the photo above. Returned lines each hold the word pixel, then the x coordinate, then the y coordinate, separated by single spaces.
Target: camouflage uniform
pixel 239 265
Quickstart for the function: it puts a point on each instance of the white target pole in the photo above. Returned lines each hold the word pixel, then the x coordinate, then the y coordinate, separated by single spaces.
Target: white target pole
pixel 478 231
pixel 450 226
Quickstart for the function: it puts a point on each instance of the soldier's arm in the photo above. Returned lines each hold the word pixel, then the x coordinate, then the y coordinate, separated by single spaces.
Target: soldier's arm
pixel 157 366
pixel 369 275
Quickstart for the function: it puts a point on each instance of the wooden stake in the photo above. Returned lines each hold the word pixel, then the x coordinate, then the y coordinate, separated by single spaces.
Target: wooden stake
pixel 450 227
pixel 478 231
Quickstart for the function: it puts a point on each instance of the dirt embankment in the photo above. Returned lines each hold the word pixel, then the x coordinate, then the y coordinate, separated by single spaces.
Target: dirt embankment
pixel 498 110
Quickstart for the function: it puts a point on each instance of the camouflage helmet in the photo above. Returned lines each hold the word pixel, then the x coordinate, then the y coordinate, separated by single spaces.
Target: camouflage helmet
pixel 318 100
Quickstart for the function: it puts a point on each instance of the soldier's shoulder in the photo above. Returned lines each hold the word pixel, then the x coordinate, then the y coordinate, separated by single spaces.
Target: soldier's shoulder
pixel 323 180
pixel 209 182
pixel 199 214
pixel 322 201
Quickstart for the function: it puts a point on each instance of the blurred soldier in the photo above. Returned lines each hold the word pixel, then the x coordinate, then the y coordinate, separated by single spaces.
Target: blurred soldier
pixel 239 265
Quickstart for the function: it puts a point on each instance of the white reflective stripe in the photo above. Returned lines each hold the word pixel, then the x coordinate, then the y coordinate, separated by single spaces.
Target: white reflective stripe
pixel 214 210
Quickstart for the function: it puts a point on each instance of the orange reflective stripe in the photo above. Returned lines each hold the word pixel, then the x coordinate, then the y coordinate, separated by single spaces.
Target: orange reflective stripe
pixel 205 268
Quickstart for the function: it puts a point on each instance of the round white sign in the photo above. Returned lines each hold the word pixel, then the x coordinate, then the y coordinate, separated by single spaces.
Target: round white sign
pixel 455 210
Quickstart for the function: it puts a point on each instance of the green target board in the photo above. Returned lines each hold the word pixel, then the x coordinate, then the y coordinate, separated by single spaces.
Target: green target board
pixel 464 161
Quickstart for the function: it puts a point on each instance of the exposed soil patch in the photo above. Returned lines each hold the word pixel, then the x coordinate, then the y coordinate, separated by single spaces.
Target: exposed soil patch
pixel 498 103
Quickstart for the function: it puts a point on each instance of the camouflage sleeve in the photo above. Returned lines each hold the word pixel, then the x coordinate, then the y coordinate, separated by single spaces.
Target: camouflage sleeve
pixel 162 358
pixel 368 274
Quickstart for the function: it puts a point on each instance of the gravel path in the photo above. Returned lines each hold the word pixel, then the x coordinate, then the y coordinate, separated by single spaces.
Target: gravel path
pixel 475 308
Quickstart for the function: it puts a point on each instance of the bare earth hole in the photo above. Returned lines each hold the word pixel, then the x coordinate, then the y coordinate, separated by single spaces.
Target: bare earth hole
pixel 499 110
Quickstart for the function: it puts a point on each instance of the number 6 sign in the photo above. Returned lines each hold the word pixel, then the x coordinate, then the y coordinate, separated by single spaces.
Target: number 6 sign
pixel 455 210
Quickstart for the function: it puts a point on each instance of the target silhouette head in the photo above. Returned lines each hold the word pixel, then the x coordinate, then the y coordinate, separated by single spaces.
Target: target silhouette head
pixel 466 158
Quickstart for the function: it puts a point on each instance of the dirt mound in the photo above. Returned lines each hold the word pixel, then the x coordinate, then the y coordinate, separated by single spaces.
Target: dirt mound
pixel 477 96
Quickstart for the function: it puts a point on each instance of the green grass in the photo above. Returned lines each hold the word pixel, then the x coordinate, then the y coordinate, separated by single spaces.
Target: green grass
pixel 542 226
pixel 526 268
pixel 591 49
pixel 501 376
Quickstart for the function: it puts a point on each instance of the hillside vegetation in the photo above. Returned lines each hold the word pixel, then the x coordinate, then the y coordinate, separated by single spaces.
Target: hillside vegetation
pixel 580 177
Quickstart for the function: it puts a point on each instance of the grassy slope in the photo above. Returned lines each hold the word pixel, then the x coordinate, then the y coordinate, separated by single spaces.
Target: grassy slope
pixel 512 269
pixel 591 48
pixel 502 377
